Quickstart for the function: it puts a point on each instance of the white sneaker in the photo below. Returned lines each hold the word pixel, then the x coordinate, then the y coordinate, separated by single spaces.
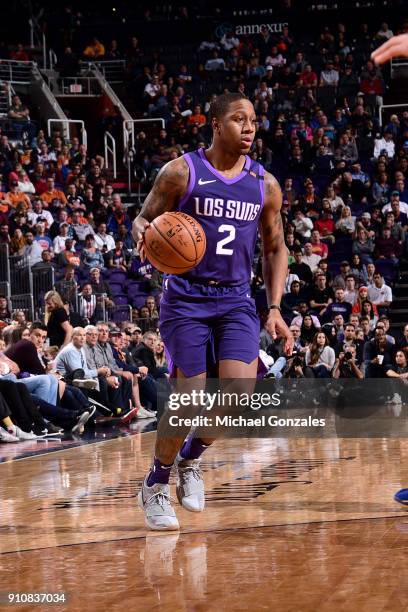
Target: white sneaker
pixel 20 434
pixel 5 436
pixel 85 383
pixel 190 484
pixel 396 399
pixel 156 503
pixel 143 413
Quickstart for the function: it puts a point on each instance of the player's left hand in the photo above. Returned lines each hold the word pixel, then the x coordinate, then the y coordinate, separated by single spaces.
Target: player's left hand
pixel 276 326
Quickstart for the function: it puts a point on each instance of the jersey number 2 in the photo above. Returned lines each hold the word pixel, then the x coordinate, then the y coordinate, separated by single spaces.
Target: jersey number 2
pixel 223 229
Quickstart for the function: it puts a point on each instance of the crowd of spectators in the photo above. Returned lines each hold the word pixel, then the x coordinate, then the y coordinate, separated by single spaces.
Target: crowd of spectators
pixel 345 209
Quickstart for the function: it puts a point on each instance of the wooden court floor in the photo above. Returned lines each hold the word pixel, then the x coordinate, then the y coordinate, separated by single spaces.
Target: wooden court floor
pixel 290 525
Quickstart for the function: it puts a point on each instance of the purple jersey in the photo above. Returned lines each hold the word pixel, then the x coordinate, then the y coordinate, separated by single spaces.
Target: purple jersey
pixel 229 211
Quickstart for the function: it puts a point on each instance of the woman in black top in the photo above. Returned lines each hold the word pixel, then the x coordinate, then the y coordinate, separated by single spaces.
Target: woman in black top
pixel 59 329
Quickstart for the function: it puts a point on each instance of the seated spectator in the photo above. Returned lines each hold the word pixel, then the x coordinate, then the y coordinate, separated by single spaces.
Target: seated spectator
pixel 318 247
pixel 118 216
pixel 367 311
pixel 350 291
pixel 94 50
pixel 379 293
pixel 384 323
pixel 329 77
pixel 399 366
pixel 387 247
pixel 14 196
pixel 19 114
pixel 42 237
pixel 91 257
pixel 358 270
pixel 102 239
pixel 5 314
pixel 143 354
pixel 39 213
pixel 320 356
pixel 346 224
pixel 291 299
pixel 400 209
pixel 60 240
pixel 303 225
pixel 320 295
pixel 32 249
pixel 89 307
pixel 384 145
pixel 51 194
pixel 114 384
pixel 338 306
pixel 378 355
pixel 347 364
pixel 363 246
pixel 325 225
pixel 17 243
pixel 68 257
pixel 150 303
pixel 336 202
pixel 362 296
pixel 160 355
pixel 309 327
pixel 308 78
pixel 303 309
pixel 346 151
pixel 309 258
pixel 139 373
pixel 119 258
pixel 80 226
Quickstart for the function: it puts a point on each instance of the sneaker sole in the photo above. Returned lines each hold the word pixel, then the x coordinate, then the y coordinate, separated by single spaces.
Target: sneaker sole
pixel 152 525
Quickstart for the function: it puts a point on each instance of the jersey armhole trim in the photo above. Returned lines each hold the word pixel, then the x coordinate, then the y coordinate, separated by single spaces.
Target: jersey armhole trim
pixel 191 180
pixel 262 184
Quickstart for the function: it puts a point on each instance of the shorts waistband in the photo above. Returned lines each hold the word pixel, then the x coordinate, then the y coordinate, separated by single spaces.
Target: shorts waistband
pixel 209 282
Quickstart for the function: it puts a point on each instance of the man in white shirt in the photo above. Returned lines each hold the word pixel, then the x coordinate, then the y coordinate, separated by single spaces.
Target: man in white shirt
pixel 32 249
pixel 395 199
pixel 310 258
pixel 384 144
pixel 102 239
pixel 229 41
pixel 38 212
pixel 379 293
pixel 152 89
pixel 303 225
pixel 329 77
pixel 350 292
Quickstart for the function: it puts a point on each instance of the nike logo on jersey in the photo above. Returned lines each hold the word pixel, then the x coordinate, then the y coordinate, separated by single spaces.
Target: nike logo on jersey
pixel 201 182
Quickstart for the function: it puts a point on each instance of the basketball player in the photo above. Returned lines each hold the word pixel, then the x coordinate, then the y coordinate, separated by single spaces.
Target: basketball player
pixel 231 196
pixel 397 46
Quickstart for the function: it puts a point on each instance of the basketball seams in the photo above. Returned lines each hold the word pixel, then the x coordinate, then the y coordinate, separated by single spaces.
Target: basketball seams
pixel 172 244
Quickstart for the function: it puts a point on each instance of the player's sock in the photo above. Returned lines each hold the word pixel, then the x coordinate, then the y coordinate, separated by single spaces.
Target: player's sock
pixel 193 448
pixel 160 473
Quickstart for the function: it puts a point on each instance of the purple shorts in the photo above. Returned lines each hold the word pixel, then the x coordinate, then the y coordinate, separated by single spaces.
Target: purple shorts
pixel 198 322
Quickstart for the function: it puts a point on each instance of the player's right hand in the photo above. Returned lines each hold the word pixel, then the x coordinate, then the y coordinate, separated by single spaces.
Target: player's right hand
pixel 397 46
pixel 139 227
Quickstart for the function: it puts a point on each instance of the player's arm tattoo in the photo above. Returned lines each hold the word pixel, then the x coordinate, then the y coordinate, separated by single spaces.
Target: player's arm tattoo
pixel 271 220
pixel 275 253
pixel 169 186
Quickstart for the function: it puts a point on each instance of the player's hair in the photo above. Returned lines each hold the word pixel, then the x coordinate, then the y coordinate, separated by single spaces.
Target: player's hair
pixel 221 105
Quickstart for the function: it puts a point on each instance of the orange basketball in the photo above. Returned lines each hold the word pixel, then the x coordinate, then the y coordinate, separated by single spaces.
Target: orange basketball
pixel 174 242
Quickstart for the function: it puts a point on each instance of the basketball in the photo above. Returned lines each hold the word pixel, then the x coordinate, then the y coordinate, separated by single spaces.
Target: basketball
pixel 174 242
